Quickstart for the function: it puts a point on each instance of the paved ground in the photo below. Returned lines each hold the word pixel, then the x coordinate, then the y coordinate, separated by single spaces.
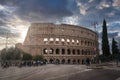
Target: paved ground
pixel 98 74
pixel 59 72
pixel 47 72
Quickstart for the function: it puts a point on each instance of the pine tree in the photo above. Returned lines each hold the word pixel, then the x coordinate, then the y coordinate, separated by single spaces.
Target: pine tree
pixel 114 47
pixel 105 43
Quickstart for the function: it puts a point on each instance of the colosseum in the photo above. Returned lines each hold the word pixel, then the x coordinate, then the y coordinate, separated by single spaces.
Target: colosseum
pixel 61 43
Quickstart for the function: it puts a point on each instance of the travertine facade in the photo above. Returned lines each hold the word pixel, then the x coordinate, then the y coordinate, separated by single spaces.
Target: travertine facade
pixel 61 43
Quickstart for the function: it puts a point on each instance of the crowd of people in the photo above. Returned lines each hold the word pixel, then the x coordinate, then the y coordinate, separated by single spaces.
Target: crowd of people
pixel 22 63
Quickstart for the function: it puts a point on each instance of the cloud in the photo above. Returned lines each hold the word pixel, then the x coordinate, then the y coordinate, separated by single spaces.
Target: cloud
pixel 104 4
pixel 83 7
pixel 10 23
pixel 90 1
pixel 113 34
pixel 5 13
pixel 4 30
pixel 116 3
pixel 73 20
pixel 110 34
pixel 42 10
pixel 59 10
pixel 114 26
pixel 16 15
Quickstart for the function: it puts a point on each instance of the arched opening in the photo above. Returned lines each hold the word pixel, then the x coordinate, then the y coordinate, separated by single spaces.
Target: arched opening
pixel 63 41
pixel 51 40
pixel 51 61
pixel 74 61
pixel 69 61
pixel 78 61
pixel 73 51
pixel 63 51
pixel 77 42
pixel 78 52
pixel 45 51
pixel 45 61
pixel 88 43
pixel 68 40
pixel 57 61
pixel 57 51
pixel 81 42
pixel 51 50
pixel 63 61
pixel 68 51
pixel 83 61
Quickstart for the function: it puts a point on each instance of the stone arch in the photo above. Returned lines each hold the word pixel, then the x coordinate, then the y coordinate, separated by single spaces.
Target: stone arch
pixel 45 51
pixel 82 52
pixel 78 51
pixel 68 51
pixel 81 42
pixel 63 51
pixel 68 61
pixel 51 51
pixel 74 61
pixel 78 61
pixel 83 62
pixel 57 51
pixel 57 61
pixel 88 43
pixel 73 51
pixel 51 61
pixel 63 61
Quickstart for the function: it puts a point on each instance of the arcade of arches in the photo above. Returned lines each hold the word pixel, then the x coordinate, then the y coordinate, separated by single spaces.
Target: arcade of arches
pixel 65 61
pixel 67 56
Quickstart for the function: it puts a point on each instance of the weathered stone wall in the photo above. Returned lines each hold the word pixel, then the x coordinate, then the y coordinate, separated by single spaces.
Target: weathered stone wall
pixel 61 43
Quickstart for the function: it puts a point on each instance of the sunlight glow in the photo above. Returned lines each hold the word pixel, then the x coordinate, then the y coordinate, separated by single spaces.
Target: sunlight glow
pixel 23 34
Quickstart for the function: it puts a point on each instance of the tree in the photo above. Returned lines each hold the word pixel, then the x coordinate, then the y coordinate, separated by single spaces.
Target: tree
pixel 11 53
pixel 38 58
pixel 27 56
pixel 105 43
pixel 115 49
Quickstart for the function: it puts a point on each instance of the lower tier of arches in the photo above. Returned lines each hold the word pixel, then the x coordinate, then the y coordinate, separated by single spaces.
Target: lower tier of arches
pixel 68 61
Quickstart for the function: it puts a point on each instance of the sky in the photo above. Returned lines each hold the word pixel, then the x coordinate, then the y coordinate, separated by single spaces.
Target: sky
pixel 17 15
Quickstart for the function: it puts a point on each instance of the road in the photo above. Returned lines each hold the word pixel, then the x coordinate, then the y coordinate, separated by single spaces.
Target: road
pixel 58 72
pixel 101 74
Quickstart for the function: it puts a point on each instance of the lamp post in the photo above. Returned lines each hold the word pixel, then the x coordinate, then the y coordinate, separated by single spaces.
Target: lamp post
pixel 95 49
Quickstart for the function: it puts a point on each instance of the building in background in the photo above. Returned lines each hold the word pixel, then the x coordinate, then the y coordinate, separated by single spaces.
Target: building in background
pixel 61 43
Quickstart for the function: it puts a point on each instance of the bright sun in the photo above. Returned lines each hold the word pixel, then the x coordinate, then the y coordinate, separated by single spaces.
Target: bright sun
pixel 23 34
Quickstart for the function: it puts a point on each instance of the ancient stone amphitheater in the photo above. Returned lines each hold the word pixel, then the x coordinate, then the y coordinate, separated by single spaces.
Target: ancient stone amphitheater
pixel 61 43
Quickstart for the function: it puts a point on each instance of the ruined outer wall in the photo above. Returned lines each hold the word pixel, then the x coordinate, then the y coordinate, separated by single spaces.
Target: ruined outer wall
pixel 61 42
